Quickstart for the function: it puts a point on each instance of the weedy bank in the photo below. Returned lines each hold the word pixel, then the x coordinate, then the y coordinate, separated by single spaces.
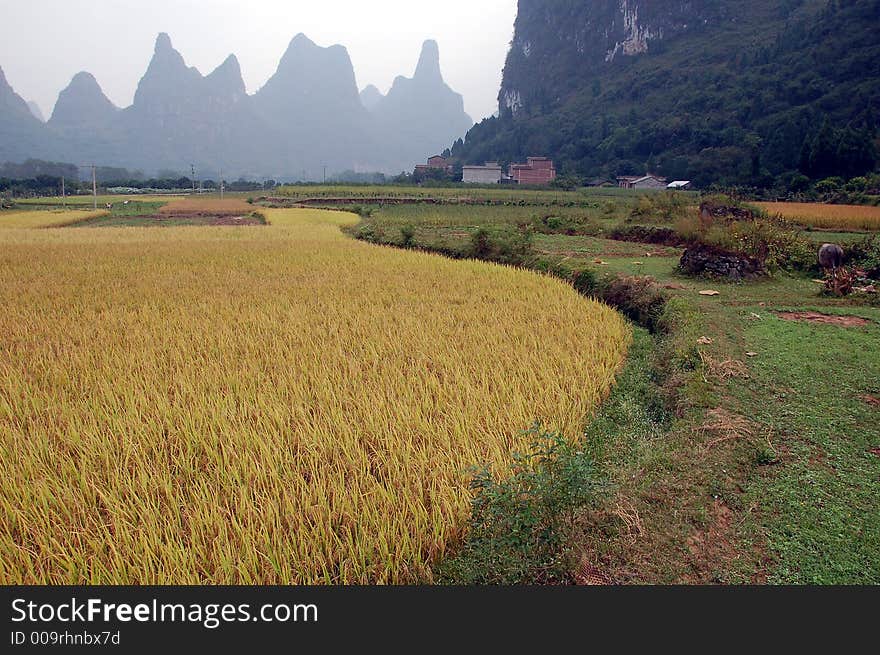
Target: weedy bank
pixel 271 405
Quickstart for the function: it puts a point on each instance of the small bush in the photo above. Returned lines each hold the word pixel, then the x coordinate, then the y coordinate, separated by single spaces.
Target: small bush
pixel 369 232
pixel 520 520
pixel 512 247
pixel 585 282
pixel 660 207
pixel 481 244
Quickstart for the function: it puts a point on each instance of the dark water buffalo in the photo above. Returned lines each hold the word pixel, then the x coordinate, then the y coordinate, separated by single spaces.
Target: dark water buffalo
pixel 830 256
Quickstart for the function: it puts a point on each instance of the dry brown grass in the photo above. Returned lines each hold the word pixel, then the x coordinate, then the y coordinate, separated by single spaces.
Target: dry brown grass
pixel 838 217
pixel 215 206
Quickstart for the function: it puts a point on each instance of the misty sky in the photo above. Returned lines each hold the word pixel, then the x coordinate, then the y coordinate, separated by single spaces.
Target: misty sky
pixel 44 43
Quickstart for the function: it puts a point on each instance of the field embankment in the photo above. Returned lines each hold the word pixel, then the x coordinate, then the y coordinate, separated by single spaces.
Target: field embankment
pixel 282 405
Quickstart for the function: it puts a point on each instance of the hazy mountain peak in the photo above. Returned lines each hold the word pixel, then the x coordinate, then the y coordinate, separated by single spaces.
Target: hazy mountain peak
pixel 428 67
pixel 227 77
pixel 167 76
pixel 301 39
pixel 423 112
pixel 163 43
pixel 82 102
pixel 84 81
pixel 307 67
pixel 371 97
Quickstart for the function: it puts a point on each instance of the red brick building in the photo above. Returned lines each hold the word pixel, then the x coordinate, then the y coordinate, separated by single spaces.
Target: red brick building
pixel 536 170
pixel 435 163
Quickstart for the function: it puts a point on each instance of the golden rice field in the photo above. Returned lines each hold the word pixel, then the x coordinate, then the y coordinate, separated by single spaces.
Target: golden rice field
pixel 35 219
pixel 838 217
pixel 272 404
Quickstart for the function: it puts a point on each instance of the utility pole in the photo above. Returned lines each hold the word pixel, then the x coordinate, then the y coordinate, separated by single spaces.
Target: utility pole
pixel 325 173
pixel 94 188
pixel 192 167
pixel 221 184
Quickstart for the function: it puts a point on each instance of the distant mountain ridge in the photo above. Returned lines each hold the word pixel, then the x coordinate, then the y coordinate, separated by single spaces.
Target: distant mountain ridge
pixel 752 92
pixel 309 115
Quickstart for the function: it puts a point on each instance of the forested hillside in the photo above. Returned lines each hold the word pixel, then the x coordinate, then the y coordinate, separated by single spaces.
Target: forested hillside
pixel 742 92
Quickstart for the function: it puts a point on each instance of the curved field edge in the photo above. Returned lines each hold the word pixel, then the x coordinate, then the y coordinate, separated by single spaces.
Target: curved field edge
pixel 46 219
pixel 282 405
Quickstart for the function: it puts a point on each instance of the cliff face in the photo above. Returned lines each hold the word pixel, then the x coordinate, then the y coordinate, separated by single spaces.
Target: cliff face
pixel 563 42
pixel 734 93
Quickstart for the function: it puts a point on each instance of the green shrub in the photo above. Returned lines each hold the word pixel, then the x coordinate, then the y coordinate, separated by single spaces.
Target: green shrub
pixel 662 207
pixel 481 244
pixel 407 236
pixel 571 225
pixel 369 232
pixel 585 282
pixel 520 520
pixel 777 246
pixel 511 246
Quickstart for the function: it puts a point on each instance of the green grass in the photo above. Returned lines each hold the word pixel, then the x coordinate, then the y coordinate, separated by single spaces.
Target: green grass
pixel 820 505
pixel 504 194
pixel 842 238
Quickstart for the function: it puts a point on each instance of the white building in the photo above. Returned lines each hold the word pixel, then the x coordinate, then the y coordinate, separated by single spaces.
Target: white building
pixel 679 185
pixel 488 174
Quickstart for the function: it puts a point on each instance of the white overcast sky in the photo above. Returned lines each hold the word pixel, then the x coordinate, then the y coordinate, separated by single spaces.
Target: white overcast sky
pixel 44 43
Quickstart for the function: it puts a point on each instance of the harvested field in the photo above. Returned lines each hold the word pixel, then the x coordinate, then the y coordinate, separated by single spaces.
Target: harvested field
pixel 206 207
pixel 282 405
pixel 832 217
pixel 825 319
